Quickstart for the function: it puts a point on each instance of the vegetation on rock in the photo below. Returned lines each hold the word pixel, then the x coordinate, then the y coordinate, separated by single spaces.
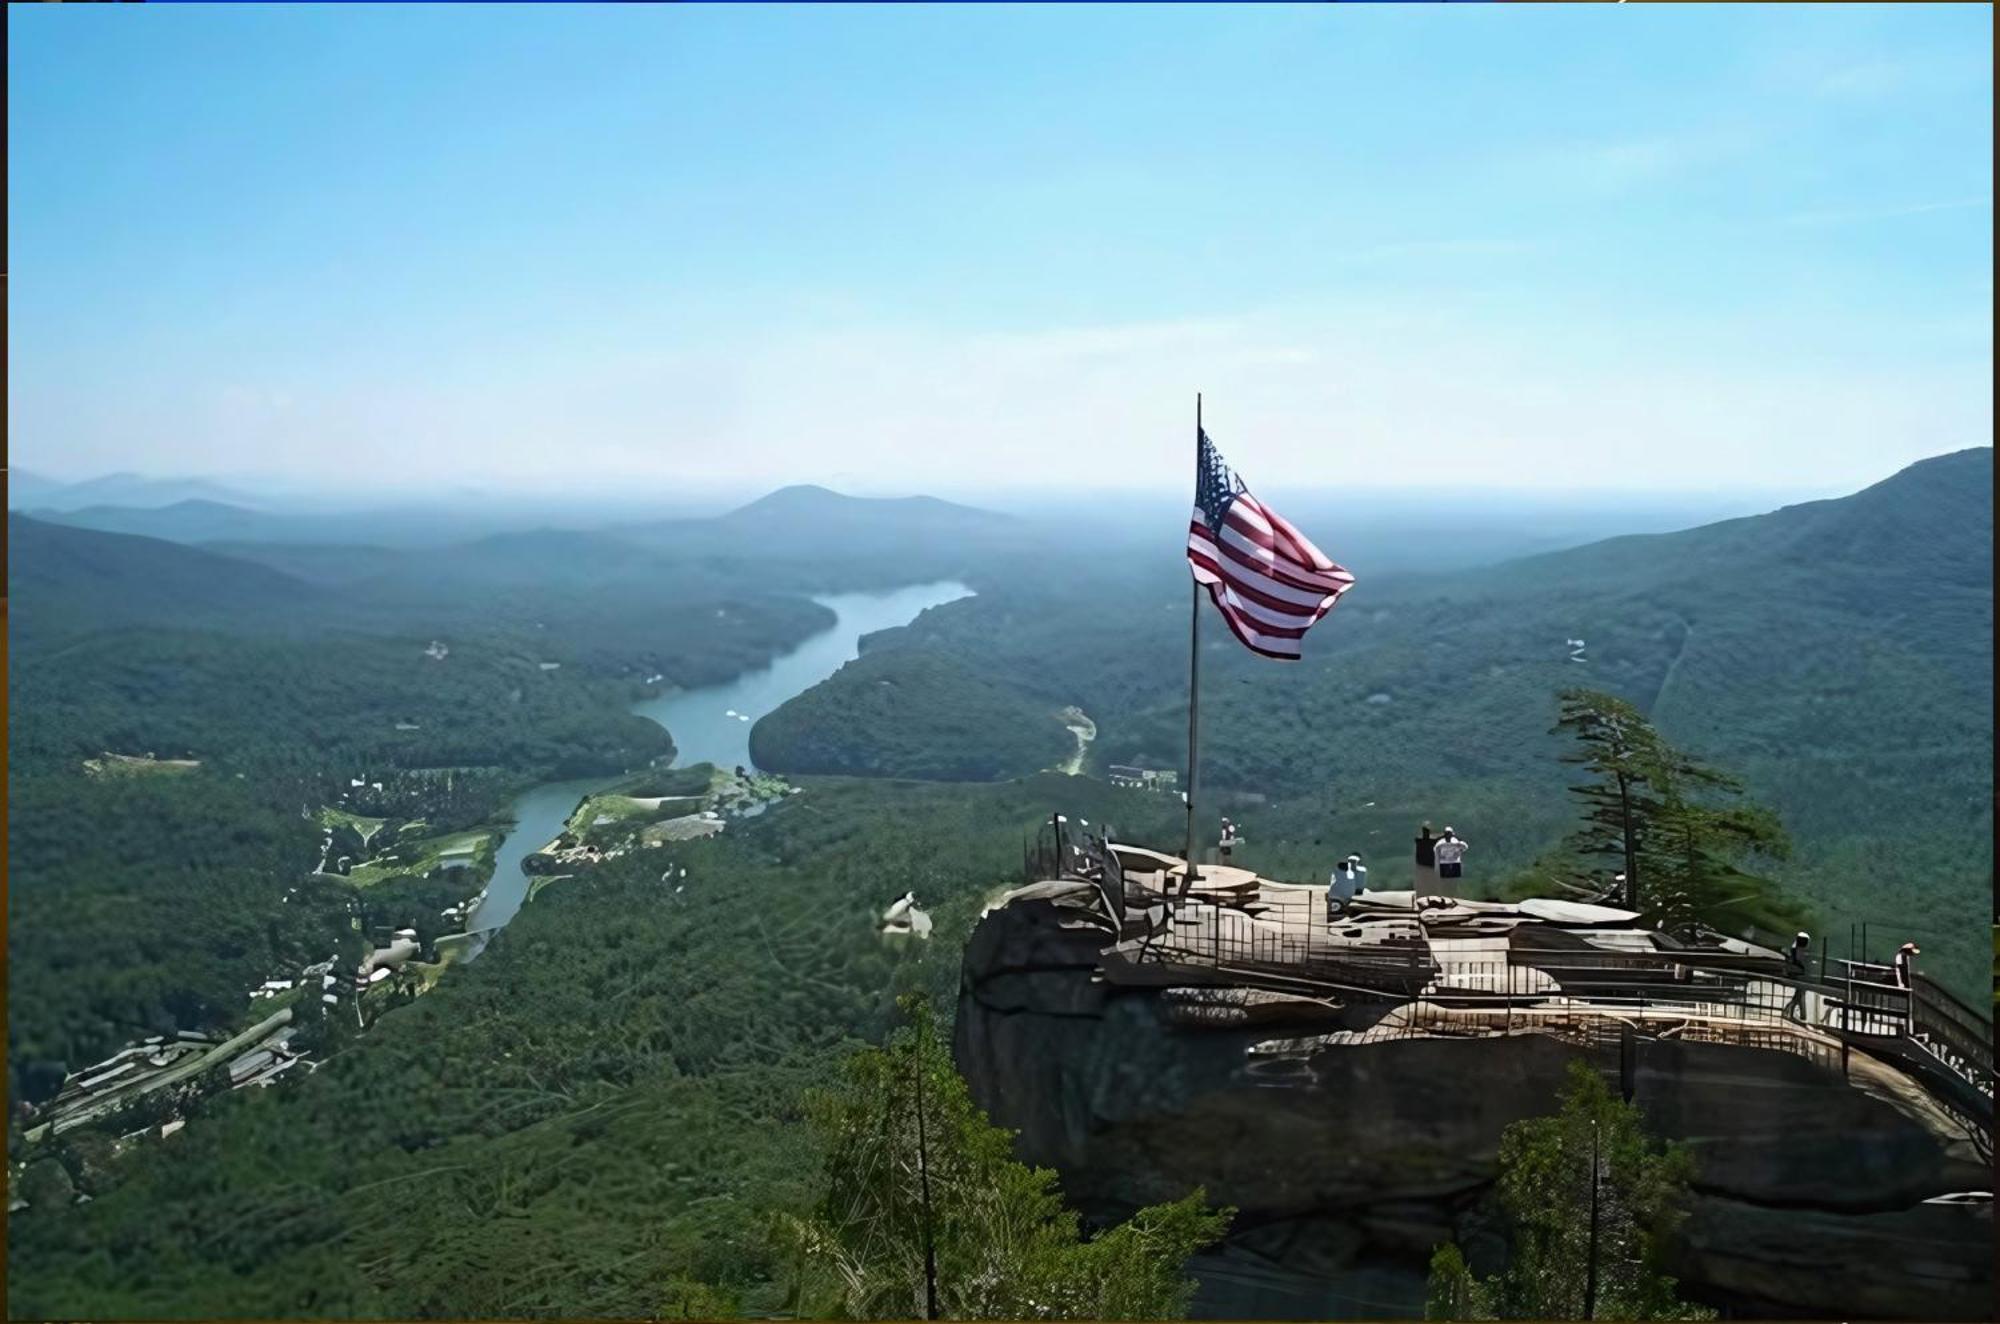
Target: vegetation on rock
pixel 926 1214
pixel 1589 1200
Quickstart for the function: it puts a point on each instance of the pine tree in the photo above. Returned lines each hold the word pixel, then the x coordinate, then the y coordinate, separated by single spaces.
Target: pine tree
pixel 1590 1201
pixel 925 1213
pixel 1681 829
pixel 1619 746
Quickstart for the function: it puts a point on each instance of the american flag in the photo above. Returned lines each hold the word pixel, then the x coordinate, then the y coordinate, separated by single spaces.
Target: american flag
pixel 1268 580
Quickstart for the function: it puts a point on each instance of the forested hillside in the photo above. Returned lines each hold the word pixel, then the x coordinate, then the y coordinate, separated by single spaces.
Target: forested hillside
pixel 607 1101
pixel 925 715
pixel 148 895
pixel 63 581
pixel 1838 654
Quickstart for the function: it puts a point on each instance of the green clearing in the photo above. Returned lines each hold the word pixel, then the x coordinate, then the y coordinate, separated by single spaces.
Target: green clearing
pixel 427 853
pixel 625 809
pixel 365 828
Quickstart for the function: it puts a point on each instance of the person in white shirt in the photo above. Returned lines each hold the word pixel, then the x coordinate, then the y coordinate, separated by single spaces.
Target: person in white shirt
pixel 1903 955
pixel 1359 871
pixel 1450 852
pixel 1341 887
pixel 1795 959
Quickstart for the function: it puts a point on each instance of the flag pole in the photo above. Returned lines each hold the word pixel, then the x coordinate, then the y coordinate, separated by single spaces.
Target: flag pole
pixel 1194 669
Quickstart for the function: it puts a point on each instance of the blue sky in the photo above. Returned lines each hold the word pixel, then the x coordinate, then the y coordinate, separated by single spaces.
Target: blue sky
pixel 913 248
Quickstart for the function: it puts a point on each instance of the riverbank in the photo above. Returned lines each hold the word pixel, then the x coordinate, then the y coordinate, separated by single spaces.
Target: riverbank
pixel 708 724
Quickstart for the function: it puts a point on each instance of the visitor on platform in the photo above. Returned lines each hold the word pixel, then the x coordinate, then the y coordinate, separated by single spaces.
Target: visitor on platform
pixel 1341 887
pixel 1360 872
pixel 1427 864
pixel 1795 957
pixel 1228 842
pixel 1903 955
pixel 1450 852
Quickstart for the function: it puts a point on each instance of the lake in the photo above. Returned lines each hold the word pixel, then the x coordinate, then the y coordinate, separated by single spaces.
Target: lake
pixel 709 725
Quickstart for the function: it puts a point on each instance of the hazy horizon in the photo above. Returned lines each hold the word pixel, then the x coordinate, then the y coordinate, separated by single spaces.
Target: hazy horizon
pixel 936 250
pixel 260 493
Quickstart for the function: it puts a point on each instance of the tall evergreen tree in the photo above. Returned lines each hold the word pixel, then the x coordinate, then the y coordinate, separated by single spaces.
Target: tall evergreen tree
pixel 1590 1201
pixel 1618 746
pixel 1681 829
pixel 925 1213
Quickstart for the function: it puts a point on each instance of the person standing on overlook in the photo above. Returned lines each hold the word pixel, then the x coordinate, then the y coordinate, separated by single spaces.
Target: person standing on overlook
pixel 1340 888
pixel 1426 883
pixel 1228 841
pixel 1450 854
pixel 1903 955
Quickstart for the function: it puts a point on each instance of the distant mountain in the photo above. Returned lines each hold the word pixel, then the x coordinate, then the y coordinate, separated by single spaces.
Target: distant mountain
pixel 63 581
pixel 812 527
pixel 326 564
pixel 193 520
pixel 818 505
pixel 27 489
pixel 119 489
pixel 1931 522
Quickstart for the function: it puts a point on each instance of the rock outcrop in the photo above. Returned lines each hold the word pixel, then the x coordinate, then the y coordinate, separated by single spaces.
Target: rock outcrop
pixel 1349 1161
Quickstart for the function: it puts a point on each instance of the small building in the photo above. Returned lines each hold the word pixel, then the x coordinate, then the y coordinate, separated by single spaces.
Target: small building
pixel 1148 779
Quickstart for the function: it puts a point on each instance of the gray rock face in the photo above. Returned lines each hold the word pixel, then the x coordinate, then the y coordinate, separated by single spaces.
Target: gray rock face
pixel 1350 1162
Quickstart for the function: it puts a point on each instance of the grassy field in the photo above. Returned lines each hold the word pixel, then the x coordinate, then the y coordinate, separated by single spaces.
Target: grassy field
pixel 421 856
pixel 366 827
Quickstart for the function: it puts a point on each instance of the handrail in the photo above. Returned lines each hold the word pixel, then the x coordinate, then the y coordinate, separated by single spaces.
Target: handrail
pixel 1741 992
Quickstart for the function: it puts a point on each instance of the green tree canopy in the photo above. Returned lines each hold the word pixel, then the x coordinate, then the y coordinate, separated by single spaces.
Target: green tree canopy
pixel 1684 836
pixel 926 1213
pixel 1590 1201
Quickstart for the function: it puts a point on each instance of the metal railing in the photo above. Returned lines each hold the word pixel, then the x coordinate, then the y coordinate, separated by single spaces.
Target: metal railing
pixel 1286 939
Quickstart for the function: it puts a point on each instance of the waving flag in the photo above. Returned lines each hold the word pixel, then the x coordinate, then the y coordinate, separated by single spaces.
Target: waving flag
pixel 1267 579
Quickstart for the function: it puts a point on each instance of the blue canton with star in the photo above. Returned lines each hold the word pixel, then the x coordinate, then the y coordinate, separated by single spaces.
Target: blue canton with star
pixel 1215 486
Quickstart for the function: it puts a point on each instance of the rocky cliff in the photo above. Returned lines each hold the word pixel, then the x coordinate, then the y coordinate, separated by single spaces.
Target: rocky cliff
pixel 1350 1162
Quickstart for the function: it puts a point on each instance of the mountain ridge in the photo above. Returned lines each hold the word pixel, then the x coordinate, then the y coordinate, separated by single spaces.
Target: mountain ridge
pixel 64 579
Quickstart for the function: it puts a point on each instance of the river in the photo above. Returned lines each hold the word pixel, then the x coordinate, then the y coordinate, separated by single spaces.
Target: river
pixel 704 729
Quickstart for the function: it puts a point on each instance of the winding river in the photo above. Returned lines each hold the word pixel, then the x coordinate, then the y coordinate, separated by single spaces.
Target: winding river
pixel 709 725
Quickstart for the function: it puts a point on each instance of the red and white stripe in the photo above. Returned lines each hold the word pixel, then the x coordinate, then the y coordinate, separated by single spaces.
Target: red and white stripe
pixel 1268 580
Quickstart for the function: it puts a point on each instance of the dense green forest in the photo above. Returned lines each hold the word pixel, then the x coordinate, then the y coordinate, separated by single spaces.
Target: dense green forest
pixel 507 1146
pixel 923 715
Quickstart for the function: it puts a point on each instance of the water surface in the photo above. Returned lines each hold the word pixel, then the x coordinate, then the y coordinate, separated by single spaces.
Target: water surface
pixel 709 725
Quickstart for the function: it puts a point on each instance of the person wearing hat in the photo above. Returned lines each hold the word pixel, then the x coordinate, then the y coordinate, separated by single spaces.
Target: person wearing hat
pixel 1228 841
pixel 1795 956
pixel 1795 967
pixel 1358 872
pixel 1903 955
